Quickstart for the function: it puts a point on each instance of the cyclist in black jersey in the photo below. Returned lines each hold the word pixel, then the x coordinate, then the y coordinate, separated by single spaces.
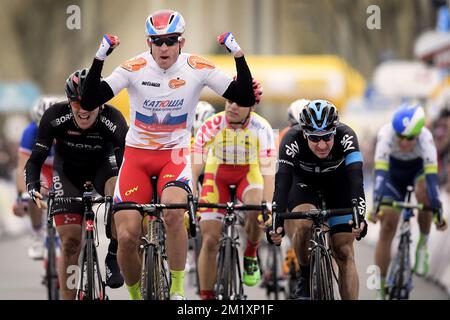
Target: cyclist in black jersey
pixel 89 146
pixel 321 154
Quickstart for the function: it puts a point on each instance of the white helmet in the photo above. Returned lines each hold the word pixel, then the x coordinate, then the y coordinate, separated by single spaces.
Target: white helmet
pixel 42 105
pixel 203 111
pixel 164 22
pixel 294 110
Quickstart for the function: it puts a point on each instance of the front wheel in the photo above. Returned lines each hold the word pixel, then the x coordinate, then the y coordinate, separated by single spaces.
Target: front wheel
pixel 155 278
pixel 90 286
pixel 51 273
pixel 321 278
pixel 400 274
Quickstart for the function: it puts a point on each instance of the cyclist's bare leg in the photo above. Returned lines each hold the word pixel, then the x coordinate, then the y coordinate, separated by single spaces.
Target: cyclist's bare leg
pixel 70 236
pixel 35 215
pixel 343 252
pixel 302 235
pixel 177 237
pixel 425 218
pixel 388 225
pixel 207 268
pixel 128 227
pixel 254 233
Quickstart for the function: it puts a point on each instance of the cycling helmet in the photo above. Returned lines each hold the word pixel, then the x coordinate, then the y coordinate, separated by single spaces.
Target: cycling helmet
pixel 75 83
pixel 319 115
pixel 42 105
pixel 408 120
pixel 164 22
pixel 294 110
pixel 203 111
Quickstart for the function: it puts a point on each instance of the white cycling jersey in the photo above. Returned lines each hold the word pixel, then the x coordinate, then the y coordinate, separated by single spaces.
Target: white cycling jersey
pixel 387 146
pixel 162 102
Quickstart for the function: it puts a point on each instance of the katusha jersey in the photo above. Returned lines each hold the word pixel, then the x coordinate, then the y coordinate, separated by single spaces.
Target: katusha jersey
pixel 235 146
pixel 162 102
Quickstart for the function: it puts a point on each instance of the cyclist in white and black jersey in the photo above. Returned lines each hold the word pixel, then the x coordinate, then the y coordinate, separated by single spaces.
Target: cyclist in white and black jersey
pixel 405 154
pixel 164 85
pixel 85 144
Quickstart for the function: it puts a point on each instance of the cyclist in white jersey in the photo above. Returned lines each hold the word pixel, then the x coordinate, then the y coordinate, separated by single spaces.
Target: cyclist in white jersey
pixel 164 87
pixel 405 155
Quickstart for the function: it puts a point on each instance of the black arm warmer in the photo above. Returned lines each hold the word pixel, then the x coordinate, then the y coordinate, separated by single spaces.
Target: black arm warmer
pixel 95 91
pixel 34 165
pixel 356 185
pixel 241 89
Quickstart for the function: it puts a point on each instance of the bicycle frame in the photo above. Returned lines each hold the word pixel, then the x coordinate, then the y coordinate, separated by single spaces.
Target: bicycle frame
pixel 229 283
pixel 321 268
pixel 399 276
pixel 94 288
pixel 51 272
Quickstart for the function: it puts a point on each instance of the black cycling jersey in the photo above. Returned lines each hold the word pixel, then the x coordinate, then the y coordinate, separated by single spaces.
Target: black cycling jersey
pixel 297 159
pixel 76 147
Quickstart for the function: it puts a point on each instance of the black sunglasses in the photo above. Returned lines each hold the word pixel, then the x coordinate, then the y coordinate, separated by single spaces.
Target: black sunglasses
pixel 314 137
pixel 169 41
pixel 410 138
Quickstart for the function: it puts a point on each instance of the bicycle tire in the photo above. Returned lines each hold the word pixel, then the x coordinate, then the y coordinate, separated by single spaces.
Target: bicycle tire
pixel 276 285
pixel 197 248
pixel 315 275
pixel 272 263
pixel 81 278
pixel 327 277
pixel 99 285
pixel 399 289
pixel 90 289
pixel 155 281
pixel 51 267
pixel 236 288
pixel 223 275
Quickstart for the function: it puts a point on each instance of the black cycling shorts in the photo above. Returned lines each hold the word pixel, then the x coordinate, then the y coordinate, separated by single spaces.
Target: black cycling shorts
pixel 336 193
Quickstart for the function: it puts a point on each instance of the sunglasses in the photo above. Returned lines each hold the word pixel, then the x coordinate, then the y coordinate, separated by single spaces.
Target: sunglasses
pixel 411 138
pixel 316 137
pixel 169 41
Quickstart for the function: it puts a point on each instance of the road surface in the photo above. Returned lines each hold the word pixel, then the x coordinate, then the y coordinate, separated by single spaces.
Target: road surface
pixel 20 277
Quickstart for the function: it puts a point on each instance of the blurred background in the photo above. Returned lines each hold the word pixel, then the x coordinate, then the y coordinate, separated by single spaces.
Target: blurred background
pixel 366 56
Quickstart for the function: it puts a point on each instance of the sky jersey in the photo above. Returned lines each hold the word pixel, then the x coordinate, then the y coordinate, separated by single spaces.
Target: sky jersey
pixel 162 102
pixel 297 160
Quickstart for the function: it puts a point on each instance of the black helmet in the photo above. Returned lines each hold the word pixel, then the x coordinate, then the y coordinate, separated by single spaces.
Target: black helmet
pixel 319 115
pixel 75 83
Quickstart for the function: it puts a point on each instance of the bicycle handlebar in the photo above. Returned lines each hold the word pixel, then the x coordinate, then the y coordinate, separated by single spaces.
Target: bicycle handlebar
pixel 81 199
pixel 232 206
pixel 313 214
pixel 148 208
pixel 406 205
pixel 151 208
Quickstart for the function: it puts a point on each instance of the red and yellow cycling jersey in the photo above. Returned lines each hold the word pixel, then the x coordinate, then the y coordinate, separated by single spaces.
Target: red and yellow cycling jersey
pixel 234 156
pixel 248 145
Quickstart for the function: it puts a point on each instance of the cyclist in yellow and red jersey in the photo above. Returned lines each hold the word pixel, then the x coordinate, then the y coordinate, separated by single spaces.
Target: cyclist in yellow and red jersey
pixel 164 86
pixel 236 147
